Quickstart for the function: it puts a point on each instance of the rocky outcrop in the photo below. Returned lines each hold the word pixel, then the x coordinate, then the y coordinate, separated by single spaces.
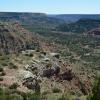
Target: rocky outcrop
pixel 67 75
pixel 51 72
pixel 32 83
pixel 94 31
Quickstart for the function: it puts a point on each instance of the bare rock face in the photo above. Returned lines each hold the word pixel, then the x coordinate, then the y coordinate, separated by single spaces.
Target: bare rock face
pixel 95 32
pixel 14 38
pixel 48 73
pixel 67 75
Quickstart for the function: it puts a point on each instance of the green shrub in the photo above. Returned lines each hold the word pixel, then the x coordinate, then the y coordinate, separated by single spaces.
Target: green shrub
pixel 1 78
pixel 4 57
pixel 1 69
pixel 4 64
pixel 12 66
pixel 30 55
pixel 3 73
pixel 45 92
pixel 49 65
pixel 56 90
pixel 13 86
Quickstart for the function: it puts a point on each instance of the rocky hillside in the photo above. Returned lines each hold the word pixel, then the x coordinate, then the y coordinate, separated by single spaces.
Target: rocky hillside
pixel 45 56
pixel 45 73
pixel 14 38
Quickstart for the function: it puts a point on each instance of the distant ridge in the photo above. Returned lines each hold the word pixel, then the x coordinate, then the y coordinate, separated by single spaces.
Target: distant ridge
pixel 76 17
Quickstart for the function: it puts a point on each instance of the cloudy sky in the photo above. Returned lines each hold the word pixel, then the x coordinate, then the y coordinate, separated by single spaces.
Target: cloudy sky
pixel 51 6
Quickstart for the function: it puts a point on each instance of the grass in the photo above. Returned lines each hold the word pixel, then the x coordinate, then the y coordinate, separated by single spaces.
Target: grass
pixel 4 60
pixel 13 94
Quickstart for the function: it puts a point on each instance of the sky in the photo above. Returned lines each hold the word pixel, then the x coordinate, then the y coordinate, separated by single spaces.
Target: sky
pixel 51 6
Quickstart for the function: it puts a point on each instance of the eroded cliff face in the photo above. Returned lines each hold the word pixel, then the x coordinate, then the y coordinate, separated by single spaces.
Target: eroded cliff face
pixel 14 38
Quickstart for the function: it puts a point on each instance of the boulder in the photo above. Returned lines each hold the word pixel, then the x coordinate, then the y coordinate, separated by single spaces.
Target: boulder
pixel 23 74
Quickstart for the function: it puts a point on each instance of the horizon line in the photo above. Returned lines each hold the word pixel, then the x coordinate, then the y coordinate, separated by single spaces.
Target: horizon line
pixel 50 13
